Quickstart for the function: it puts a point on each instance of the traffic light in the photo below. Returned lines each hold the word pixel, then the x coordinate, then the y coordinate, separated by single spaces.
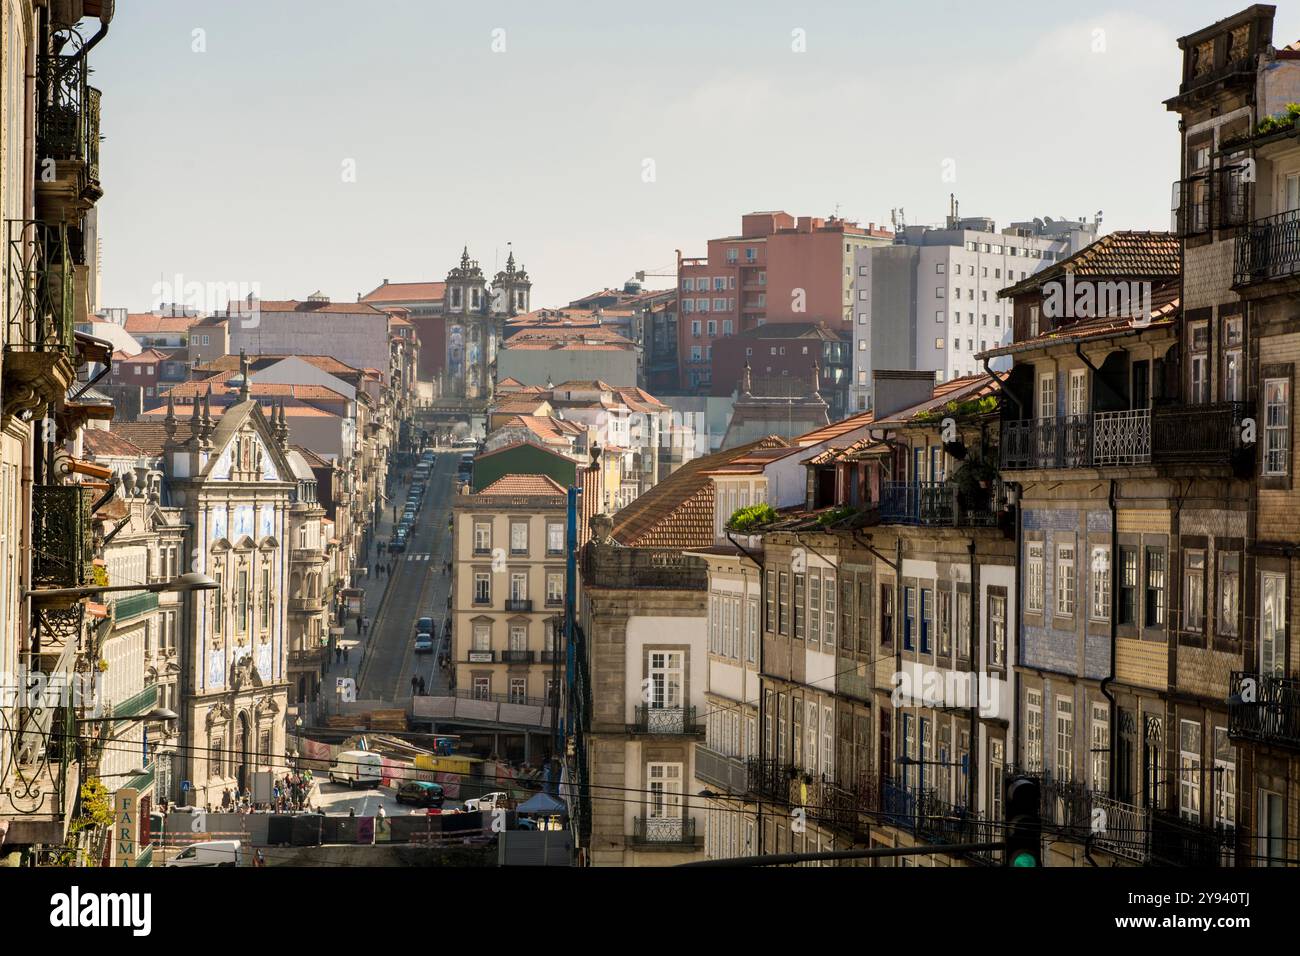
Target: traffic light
pixel 1022 798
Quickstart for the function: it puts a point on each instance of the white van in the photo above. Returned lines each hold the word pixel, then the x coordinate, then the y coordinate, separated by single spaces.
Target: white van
pixel 357 767
pixel 210 853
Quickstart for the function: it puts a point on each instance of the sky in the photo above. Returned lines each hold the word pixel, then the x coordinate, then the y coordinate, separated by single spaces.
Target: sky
pixel 288 147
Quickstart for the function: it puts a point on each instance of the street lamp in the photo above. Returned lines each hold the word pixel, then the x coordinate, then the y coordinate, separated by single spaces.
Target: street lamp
pixel 297 753
pixel 158 713
pixel 187 582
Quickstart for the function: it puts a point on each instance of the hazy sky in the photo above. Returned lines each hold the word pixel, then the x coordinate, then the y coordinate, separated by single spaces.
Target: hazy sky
pixel 228 165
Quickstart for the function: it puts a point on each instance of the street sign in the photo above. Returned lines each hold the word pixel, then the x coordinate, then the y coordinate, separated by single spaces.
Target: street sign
pixel 185 785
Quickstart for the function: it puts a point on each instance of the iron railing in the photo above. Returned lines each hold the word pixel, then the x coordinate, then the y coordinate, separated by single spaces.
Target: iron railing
pixel 1193 200
pixel 38 303
pixel 1179 842
pixel 1267 249
pixel 517 657
pixel 769 778
pixel 62 544
pixel 519 604
pixel 661 831
pixel 1121 438
pixel 937 504
pixel 1264 708
pixel 649 719
pixel 720 770
pixel 1119 828
pixel 1197 433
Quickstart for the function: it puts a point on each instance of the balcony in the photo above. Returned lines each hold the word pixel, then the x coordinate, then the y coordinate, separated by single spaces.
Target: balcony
pixel 666 832
pixel 62 545
pixel 306 605
pixel 517 657
pixel 1179 842
pixel 67 124
pixel 39 772
pixel 1265 709
pixel 726 773
pixel 665 721
pixel 1191 206
pixel 1268 250
pixel 769 778
pixel 137 704
pixel 639 568
pixel 552 657
pixel 523 605
pixel 133 606
pixel 936 504
pixel 1118 828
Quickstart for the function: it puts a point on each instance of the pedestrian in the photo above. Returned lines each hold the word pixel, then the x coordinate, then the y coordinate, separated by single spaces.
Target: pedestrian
pixel 225 799
pixel 358 625
pixel 421 685
pixel 260 857
pixel 415 684
pixel 345 655
pixel 352 811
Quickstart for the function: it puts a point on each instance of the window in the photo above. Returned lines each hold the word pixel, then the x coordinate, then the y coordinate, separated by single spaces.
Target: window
pixel 938 292
pixel 909 616
pixel 1034 731
pixel 938 343
pixel 666 679
pixel 1034 576
pixel 482 636
pixel 938 268
pixel 783 600
pixel 1064 739
pixel 241 623
pixel 800 614
pixel 1194 590
pixel 927 609
pixel 482 587
pixel 997 630
pixel 1154 605
pixel 519 537
pixel 828 611
pixel 1065 579
pixel 886 615
pixel 519 586
pixel 814 606
pixel 963 624
pixel 1047 395
pixel 945 623
pixel 1272 828
pixel 688 285
pixel 554 538
pixel 1189 770
pixel 1100 593
pixel 1272 624
pixel 1100 762
pixel 482 537
pixel 770 601
pixel 1225 779
pixel 751 631
pixel 997 760
pixel 1277 425
pixel 518 690
pixel 266 597
pixel 554 588
pixel 1128 582
pixel 1229 596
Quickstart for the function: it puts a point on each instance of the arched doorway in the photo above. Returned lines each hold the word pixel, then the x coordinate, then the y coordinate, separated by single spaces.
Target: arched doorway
pixel 241 751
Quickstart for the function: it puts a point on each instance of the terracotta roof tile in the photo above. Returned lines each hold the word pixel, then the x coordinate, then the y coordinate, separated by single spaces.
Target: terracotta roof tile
pixel 524 485
pixel 407 292
pixel 1126 255
pixel 678 512
pixel 99 442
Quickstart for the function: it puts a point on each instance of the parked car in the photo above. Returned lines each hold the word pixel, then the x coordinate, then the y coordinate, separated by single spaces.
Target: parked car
pixel 498 799
pixel 425 625
pixel 398 544
pixel 355 767
pixel 210 853
pixel 421 793
pixel 424 643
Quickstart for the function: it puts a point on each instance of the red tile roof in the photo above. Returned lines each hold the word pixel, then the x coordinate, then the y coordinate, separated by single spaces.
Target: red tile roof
pixel 147 323
pixel 678 512
pixel 524 485
pixel 1116 255
pixel 407 292
pixel 101 443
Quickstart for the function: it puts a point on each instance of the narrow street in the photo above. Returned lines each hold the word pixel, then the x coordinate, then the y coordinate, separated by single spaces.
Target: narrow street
pixel 417 588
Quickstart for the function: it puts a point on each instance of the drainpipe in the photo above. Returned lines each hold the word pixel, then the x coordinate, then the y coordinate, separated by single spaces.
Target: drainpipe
pixel 94 40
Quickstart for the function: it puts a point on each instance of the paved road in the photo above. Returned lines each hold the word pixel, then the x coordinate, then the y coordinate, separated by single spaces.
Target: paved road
pixel 418 588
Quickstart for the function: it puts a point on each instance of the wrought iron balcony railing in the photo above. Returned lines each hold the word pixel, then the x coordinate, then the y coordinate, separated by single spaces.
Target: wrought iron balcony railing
pixel 62 543
pixel 517 657
pixel 1264 708
pixel 665 720
pixel 663 831
pixel 1192 202
pixel 1179 842
pixel 1117 827
pixel 1268 249
pixel 519 604
pixel 768 777
pixel 727 773
pixel 39 314
pixel 937 504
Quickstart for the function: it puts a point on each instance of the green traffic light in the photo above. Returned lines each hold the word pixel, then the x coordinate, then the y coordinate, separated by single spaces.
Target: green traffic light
pixel 1024 859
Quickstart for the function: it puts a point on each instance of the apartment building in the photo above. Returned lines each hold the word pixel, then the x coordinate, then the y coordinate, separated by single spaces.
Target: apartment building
pixel 1134 510
pixel 50 115
pixel 805 265
pixel 508 590
pixel 930 300
pixel 1232 745
pixel 795 350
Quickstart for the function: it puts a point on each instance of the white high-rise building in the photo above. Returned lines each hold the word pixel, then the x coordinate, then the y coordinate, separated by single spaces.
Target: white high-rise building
pixel 930 300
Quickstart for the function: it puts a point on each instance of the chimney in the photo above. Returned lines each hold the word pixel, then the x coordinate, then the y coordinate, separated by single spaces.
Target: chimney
pixel 897 390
